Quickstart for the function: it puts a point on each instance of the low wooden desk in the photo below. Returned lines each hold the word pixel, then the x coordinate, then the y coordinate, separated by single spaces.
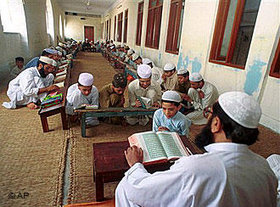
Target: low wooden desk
pixel 111 112
pixel 60 108
pixel 109 163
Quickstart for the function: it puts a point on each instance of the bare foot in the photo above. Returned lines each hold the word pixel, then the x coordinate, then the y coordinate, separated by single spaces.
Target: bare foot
pixel 32 106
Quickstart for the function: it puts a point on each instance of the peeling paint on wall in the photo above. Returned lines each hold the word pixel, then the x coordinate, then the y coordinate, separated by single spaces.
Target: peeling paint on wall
pixel 159 57
pixel 253 77
pixel 196 66
pixel 180 61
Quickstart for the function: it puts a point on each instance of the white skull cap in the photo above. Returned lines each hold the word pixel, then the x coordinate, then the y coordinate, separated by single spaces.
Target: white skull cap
pixel 47 60
pixel 242 108
pixel 146 61
pixel 169 67
pixel 144 71
pixel 130 51
pixel 171 96
pixel 135 56
pixel 85 79
pixel 182 71
pixel 195 77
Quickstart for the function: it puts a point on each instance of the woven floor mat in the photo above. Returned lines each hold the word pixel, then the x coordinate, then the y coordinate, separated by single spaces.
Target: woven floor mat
pixel 32 162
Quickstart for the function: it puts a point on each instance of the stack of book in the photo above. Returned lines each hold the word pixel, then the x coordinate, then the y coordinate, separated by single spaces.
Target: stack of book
pixel 52 100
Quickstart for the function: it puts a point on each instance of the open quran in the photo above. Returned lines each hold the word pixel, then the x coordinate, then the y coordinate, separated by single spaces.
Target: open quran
pixel 159 146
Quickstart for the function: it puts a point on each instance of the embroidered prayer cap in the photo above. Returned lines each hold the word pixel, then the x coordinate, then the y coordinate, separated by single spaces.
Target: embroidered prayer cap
pixel 51 51
pixel 169 67
pixel 144 71
pixel 182 71
pixel 60 44
pixel 242 108
pixel 135 56
pixel 146 61
pixel 119 80
pixel 171 96
pixel 195 77
pixel 85 79
pixel 130 51
pixel 47 60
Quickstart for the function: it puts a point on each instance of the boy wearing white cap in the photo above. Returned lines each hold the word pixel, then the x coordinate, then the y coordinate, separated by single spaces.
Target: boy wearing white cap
pixel 146 89
pixel 169 118
pixel 169 77
pixel 83 92
pixel 128 55
pixel 135 60
pixel 228 174
pixel 202 95
pixel 156 72
pixel 32 85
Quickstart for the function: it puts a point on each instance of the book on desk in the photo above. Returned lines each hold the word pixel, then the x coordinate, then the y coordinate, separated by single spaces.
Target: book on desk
pixel 159 146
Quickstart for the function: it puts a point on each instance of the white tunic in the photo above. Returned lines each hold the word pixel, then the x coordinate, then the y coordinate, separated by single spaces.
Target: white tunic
pixel 24 88
pixel 228 175
pixel 210 97
pixel 75 98
pixel 152 92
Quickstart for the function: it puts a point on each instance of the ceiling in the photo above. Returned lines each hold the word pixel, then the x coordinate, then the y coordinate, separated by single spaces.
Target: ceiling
pixel 97 7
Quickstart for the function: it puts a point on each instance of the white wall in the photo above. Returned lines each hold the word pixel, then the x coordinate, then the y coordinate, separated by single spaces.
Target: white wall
pixel 30 44
pixel 75 27
pixel 197 32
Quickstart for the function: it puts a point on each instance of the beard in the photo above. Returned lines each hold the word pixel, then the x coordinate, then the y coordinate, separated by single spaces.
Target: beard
pixel 42 73
pixel 205 137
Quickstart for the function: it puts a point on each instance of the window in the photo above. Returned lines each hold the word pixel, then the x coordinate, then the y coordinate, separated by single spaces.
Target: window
pixel 139 23
pixel 175 26
pixel 109 29
pixel 125 26
pixel 120 19
pixel 153 23
pixel 12 16
pixel 115 23
pixel 275 66
pixel 60 27
pixel 233 32
pixel 49 19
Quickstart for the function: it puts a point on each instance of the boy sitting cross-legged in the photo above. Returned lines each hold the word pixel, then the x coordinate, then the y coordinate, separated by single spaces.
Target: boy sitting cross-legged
pixel 169 118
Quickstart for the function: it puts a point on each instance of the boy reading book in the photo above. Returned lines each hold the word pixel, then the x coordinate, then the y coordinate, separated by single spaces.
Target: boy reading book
pixel 169 118
pixel 159 146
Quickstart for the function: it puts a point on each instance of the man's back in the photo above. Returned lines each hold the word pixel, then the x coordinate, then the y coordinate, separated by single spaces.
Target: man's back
pixel 228 175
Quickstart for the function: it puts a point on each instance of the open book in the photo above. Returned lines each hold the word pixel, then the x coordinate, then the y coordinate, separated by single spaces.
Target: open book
pixel 159 146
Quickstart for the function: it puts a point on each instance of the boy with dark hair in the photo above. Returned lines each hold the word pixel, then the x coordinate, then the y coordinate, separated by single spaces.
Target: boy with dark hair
pixel 112 95
pixel 18 68
pixel 169 118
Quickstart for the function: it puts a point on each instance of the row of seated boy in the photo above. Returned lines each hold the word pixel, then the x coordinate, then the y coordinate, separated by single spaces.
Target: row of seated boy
pixel 196 93
pixel 31 83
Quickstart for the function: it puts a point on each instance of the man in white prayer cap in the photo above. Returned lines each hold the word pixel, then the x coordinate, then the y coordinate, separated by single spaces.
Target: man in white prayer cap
pixel 169 118
pixel 143 92
pixel 228 174
pixel 32 85
pixel 128 55
pixel 47 52
pixel 202 94
pixel 83 93
pixel 136 60
pixel 156 72
pixel 169 77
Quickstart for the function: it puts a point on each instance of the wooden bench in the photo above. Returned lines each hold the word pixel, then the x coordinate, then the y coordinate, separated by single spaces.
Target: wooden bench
pixel 110 112
pixel 60 108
